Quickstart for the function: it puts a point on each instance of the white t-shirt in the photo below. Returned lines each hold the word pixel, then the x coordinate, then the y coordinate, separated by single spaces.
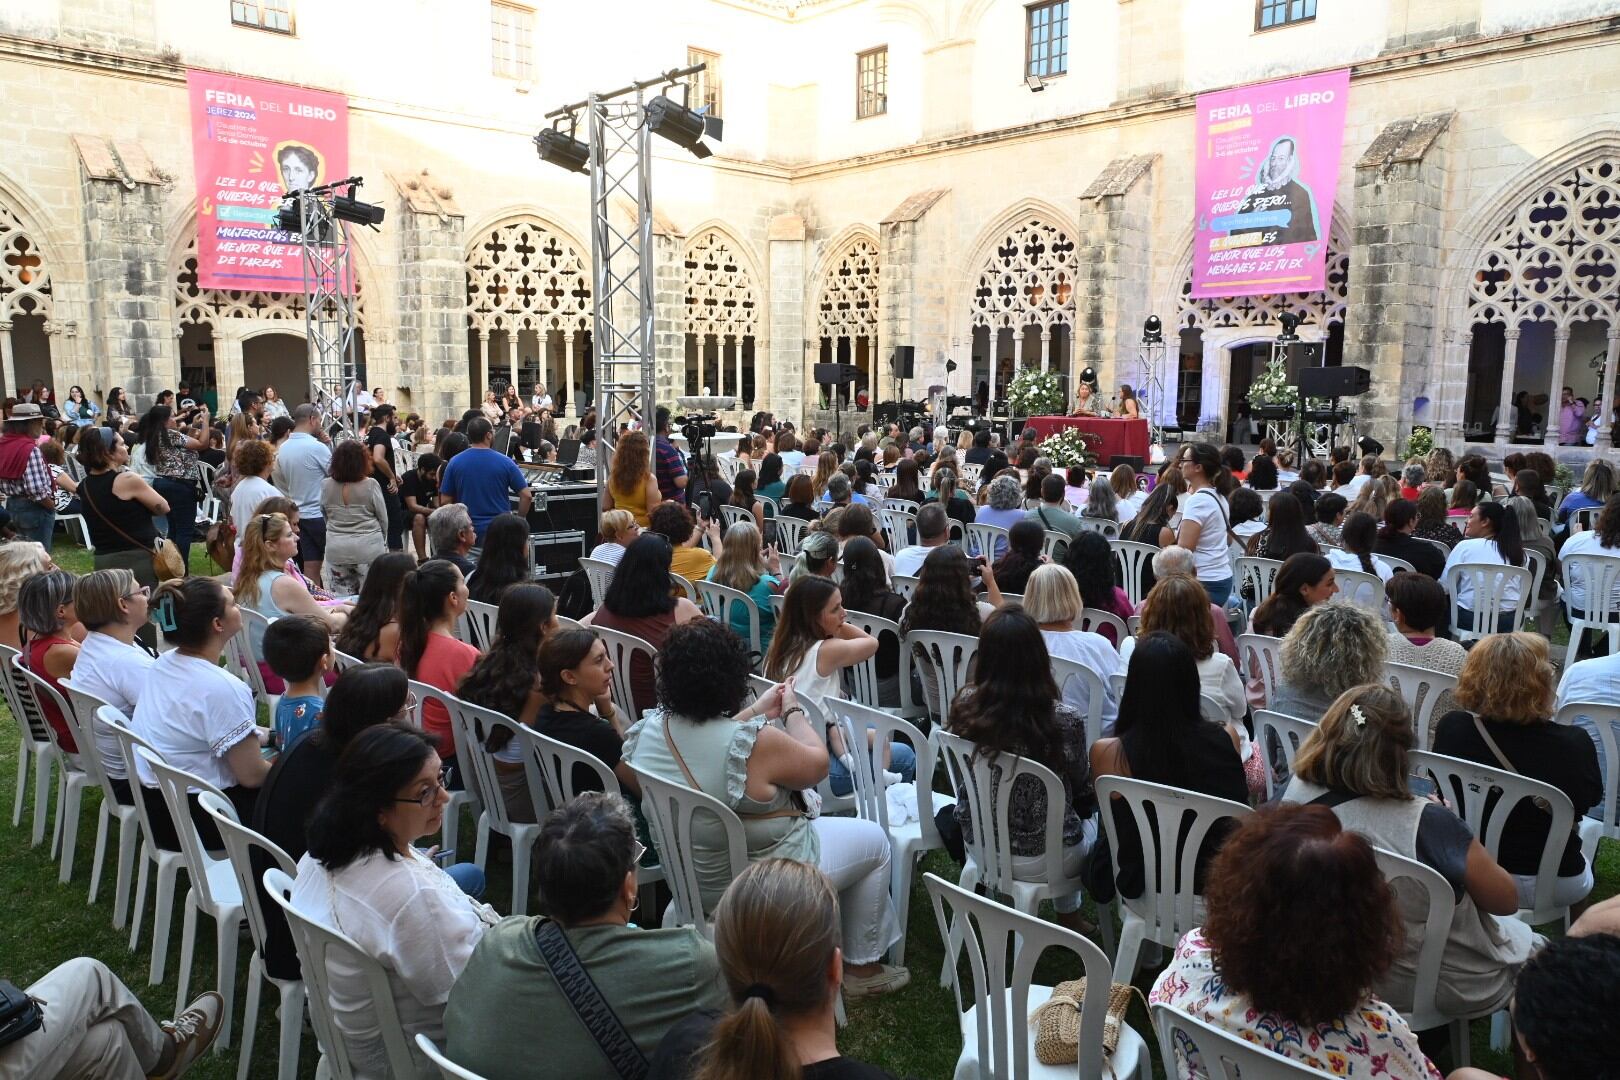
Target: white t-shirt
pixel 1354 486
pixel 193 712
pixel 542 401
pixel 1345 560
pixel 115 673
pixel 1208 509
pixel 1219 679
pixel 1480 549
pixel 608 552
pixel 1586 542
pixel 1095 652
pixel 908 561
pixel 248 493
pixel 413 919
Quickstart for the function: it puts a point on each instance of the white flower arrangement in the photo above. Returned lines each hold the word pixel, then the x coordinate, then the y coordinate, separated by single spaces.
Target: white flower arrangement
pixel 1034 392
pixel 1069 447
pixel 1273 387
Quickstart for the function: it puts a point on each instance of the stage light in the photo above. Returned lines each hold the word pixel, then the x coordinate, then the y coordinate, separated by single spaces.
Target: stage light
pixel 348 208
pixel 682 126
pixel 1369 445
pixel 287 219
pixel 563 150
pixel 1088 374
pixel 1152 331
pixel 1035 83
pixel 1289 323
pixel 950 367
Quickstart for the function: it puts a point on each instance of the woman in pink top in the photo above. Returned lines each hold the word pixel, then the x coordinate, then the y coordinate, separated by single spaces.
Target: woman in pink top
pixel 432 598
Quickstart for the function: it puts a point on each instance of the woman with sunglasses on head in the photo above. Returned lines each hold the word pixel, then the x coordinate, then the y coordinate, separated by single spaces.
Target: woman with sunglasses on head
pixel 363 876
pixel 119 507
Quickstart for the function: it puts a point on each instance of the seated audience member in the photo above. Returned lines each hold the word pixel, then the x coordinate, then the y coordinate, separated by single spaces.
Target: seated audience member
pixel 743 498
pixel 688 558
pixel 639 602
pixel 1262 474
pixel 112 607
pixel 92 1025
pixel 1303 582
pixel 749 567
pixel 1433 521
pixel 1021 556
pixel 372 629
pixel 1101 502
pixel 1285 533
pixel 1090 558
pixel 1151 525
pixel 1053 600
pixel 1533 533
pixel 1357 539
pixel 586 866
pixel 432 599
pixel 265 586
pixel 503 561
pixel 1602 539
pixel 1301 925
pixel 1330 648
pixel 299 650
pixel 957 504
pixel 1506 688
pixel 45 614
pixel 419 495
pixel 1330 510
pixel 933 531
pixel 1396 539
pixel 706 738
pixel 1356 763
pixel 450 528
pixel 1492 537
pixel 1246 521
pixel 859 522
pixel 782 957
pixel 1005 508
pixel 818 557
pixel 362 874
pixel 617 530
pixel 1413 477
pixel 797 500
pixel 1176 559
pixel 1012 706
pixel 1464 497
pixel 1161 737
pixel 504 681
pixel 944 600
pixel 1053 513
pixel 865 588
pixel 19 561
pixel 197 715
pixel 576 684
pixel 905 487
pixel 1418 606
pixel 1597 487
pixel 1129 498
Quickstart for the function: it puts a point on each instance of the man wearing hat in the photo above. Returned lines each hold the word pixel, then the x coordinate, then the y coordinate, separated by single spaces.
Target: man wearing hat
pixel 24 480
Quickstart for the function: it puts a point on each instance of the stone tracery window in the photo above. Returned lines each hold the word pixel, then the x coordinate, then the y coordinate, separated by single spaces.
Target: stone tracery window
pixel 1028 280
pixel 847 311
pixel 721 319
pixel 25 278
pixel 194 305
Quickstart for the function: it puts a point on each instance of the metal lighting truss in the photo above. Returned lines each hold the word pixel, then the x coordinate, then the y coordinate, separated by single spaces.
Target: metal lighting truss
pixel 1150 393
pixel 329 311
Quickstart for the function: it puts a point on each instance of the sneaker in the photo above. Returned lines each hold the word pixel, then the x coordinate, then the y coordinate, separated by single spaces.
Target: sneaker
pixel 886 980
pixel 193 1031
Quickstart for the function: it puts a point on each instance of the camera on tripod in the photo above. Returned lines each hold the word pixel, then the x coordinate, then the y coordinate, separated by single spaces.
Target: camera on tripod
pixel 696 427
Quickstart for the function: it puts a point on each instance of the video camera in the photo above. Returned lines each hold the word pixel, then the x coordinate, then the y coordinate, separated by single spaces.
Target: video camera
pixel 696 427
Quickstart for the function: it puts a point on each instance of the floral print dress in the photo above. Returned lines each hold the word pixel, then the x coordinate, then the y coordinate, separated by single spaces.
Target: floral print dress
pixel 1372 1040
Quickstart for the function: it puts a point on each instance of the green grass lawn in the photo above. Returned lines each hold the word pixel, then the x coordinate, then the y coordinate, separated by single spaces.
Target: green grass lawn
pixel 912 1033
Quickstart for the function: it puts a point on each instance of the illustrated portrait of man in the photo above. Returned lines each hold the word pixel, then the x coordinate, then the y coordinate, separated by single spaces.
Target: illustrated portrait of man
pixel 1277 188
pixel 300 166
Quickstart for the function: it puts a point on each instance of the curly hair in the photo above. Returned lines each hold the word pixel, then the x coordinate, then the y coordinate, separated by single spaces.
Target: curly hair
pixel 1301 921
pixel 944 599
pixel 630 462
pixel 350 462
pixel 1509 677
pixel 1564 1003
pixel 710 649
pixel 1178 605
pixel 1005 494
pixel 253 457
pixel 1334 646
pixel 1091 560
pixel 19 561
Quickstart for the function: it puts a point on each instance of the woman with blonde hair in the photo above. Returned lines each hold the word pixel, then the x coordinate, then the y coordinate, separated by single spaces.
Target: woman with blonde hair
pixel 19 561
pixel 631 484
pixel 826 467
pixel 1331 647
pixel 617 529
pixel 746 565
pixel 1357 764
pixel 264 585
pixel 1128 497
pixel 1507 690
pixel 1052 599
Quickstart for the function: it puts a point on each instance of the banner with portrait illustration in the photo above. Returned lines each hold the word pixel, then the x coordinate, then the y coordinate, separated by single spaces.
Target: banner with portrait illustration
pixel 251 142
pixel 1267 166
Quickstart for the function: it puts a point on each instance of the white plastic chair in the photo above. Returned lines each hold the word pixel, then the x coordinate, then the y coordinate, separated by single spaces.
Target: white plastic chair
pixel 731 515
pixel 168 863
pixel 719 601
pixel 790 533
pixel 1599 576
pixel 82 716
pixel 1584 518
pixel 473 726
pixel 1260 657
pixel 1224 1056
pixel 342 661
pixel 861 680
pixel 670 810
pixel 1133 560
pixel 1421 689
pixel 1599 720
pixel 1285 732
pixel 1362 589
pixel 1405 875
pixel 1097 689
pixel 240 843
pixel 1396 565
pixel 71 779
pixel 1107 526
pixel 1490 583
pixel 35 746
pixel 998 1041
pixel 1054 544
pixel 1169 905
pixel 622 648
pixel 448 1070
pixel 477 625
pixel 315 943
pixel 213 889
pixel 904 584
pixel 685 586
pixel 1260 574
pixel 1094 619
pixel 240 655
pixel 467 797
pixel 946 659
pixel 599 573
pixel 985 539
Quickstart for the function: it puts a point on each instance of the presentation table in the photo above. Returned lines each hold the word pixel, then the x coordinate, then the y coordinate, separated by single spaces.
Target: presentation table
pixel 1116 438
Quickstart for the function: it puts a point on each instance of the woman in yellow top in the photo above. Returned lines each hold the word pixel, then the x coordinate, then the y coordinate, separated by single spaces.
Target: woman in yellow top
pixel 631 483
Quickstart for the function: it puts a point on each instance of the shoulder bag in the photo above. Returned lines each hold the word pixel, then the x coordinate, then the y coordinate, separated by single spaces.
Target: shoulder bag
pixel 19 1014
pixel 591 1008
pixel 798 798
pixel 166 561
pixel 1502 759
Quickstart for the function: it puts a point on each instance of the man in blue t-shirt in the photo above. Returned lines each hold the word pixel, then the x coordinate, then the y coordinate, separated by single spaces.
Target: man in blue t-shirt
pixel 481 479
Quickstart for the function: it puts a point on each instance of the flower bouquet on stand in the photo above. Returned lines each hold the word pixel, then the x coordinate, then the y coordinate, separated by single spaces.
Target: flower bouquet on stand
pixel 1069 447
pixel 1273 388
pixel 1034 392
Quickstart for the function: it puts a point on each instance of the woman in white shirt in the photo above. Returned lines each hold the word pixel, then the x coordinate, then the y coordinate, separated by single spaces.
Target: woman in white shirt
pixel 362 876
pixel 1205 520
pixel 1052 599
pixel 198 716
pixel 1491 536
pixel 253 459
pixel 1358 536
pixel 112 605
pixel 1602 539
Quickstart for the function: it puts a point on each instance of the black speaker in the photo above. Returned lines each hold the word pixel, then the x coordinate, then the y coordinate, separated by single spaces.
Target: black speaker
pixel 1334 382
pixel 833 374
pixel 904 362
pixel 1136 463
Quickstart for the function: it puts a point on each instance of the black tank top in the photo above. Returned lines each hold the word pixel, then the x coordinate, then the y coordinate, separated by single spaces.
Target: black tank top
pixel 101 506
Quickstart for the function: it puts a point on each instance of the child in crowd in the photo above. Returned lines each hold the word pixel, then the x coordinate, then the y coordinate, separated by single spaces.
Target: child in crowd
pixel 298 648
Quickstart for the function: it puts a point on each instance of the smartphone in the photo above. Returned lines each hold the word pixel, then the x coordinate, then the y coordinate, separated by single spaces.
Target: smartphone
pixel 443 857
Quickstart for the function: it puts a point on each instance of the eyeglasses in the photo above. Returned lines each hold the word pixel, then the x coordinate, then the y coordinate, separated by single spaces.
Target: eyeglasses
pixel 430 794
pixel 407 710
pixel 637 850
pixel 144 590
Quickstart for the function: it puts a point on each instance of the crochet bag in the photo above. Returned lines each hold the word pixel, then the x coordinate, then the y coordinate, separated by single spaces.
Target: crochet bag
pixel 1057 1021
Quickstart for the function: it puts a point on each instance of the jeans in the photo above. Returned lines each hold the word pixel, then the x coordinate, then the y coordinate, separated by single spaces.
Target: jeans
pixel 468 877
pixel 94 1026
pixel 1504 621
pixel 902 759
pixel 1219 591
pixel 32 520
pixel 181 496
pixel 396 518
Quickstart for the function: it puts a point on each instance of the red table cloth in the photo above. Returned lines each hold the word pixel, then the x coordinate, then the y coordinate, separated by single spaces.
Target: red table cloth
pixel 1115 437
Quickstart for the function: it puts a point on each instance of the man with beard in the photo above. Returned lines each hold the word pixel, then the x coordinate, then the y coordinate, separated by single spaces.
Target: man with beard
pixel 1277 188
pixel 380 441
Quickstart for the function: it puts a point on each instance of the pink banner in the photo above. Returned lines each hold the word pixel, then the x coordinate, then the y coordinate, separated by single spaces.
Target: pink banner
pixel 251 142
pixel 1268 164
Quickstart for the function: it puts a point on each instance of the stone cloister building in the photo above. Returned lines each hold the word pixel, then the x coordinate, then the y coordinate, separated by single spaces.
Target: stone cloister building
pixel 889 176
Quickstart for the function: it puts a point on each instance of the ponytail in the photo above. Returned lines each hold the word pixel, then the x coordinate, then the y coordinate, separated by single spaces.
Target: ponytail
pixel 1505 526
pixel 421 601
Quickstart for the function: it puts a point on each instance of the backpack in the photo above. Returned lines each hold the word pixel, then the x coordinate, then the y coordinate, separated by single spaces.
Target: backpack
pixel 575 601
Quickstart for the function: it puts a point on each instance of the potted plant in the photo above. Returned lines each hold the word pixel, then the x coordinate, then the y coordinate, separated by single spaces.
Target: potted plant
pixel 1069 447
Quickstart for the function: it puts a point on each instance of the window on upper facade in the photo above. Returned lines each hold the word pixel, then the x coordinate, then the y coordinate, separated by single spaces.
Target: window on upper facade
pixel 1046 49
pixel 511 42
pixel 1273 13
pixel 263 14
pixel 705 84
pixel 872 82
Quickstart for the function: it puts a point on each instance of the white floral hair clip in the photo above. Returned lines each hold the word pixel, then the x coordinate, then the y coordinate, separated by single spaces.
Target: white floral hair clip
pixel 1358 717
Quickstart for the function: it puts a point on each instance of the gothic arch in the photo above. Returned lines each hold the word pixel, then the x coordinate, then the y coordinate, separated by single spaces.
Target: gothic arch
pixel 998 252
pixel 29 273
pixel 524 273
pixel 847 286
pixel 195 305
pixel 721 315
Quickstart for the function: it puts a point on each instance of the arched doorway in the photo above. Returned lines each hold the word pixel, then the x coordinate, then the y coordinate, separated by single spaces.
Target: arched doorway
pixel 276 359
pixel 1023 307
pixel 847 316
pixel 722 321
pixel 26 304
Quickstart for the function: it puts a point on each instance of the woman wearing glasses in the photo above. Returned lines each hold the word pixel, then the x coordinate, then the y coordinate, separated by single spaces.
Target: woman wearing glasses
pixel 363 876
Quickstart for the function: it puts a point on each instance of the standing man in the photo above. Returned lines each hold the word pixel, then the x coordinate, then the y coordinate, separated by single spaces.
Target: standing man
pixel 24 479
pixel 1571 419
pixel 301 465
pixel 481 478
pixel 380 443
pixel 670 469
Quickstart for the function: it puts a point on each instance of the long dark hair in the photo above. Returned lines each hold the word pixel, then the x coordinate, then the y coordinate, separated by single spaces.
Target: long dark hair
pixel 378 604
pixel 905 482
pixel 1154 515
pixel 1397 516
pixel 377 762
pixel 360 698
pixel 1284 606
pixel 1022 556
pixel 422 597
pixel 865 580
pixel 1009 707
pixel 504 561
pixel 152 431
pixel 1505 531
pixel 1285 528
pixel 1359 534
pixel 742 489
pixel 503 678
pixel 185 609
pixel 797 628
pixel 770 469
pixel 944 599
pixel 1160 705
pixel 641 584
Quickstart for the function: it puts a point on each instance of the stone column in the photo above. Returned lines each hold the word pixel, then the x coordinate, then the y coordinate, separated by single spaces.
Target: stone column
pixel 1394 292
pixel 789 352
pixel 914 304
pixel 568 373
pixel 1046 352
pixel 1448 408
pixel 512 354
pixel 1555 405
pixel 1605 437
pixel 483 365
pixel 230 370
pixel 1510 363
pixel 669 316
pixel 432 297
pixel 8 364
pixel 1114 251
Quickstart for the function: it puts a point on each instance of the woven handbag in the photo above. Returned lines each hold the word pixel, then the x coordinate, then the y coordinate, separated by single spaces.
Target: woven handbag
pixel 1057 1021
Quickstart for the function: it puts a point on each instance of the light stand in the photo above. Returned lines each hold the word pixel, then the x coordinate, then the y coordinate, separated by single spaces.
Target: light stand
pixel 320 217
pixel 1150 362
